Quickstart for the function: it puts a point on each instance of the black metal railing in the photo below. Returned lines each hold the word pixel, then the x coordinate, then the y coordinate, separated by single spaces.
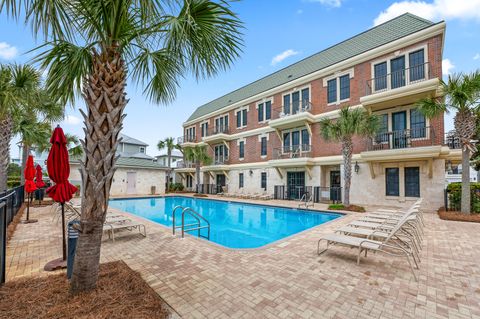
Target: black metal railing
pixel 10 202
pixel 183 164
pixel 399 78
pixel 415 137
pixel 452 140
pixel 187 139
pixel 220 160
pixel 217 130
pixel 211 189
pixel 287 192
pixel 295 107
pixel 327 194
pixel 293 151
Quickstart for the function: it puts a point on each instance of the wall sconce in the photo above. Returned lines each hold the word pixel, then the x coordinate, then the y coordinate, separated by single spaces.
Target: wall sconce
pixel 357 167
pixel 250 172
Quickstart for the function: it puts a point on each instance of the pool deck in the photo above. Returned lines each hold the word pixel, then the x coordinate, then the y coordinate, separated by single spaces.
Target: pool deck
pixel 285 279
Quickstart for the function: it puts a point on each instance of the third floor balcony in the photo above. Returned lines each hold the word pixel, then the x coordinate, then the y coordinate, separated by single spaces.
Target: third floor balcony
pixel 187 139
pixel 400 139
pixel 288 116
pixel 292 151
pixel 216 134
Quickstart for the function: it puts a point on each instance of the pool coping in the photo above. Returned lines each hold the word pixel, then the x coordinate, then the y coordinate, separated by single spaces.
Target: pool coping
pixel 243 250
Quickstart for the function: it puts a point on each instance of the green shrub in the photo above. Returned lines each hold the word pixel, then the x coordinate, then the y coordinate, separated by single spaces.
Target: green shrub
pixel 176 187
pixel 13 182
pixel 336 206
pixel 454 191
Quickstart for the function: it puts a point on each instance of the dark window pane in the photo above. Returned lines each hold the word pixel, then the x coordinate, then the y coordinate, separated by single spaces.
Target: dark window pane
pixel 268 110
pixel 260 112
pixel 263 146
pixel 244 117
pixel 295 140
pixel 286 104
pixel 412 182
pixel 380 71
pixel 382 134
pixel 240 180
pixel 239 120
pixel 417 124
pixel 305 98
pixel 392 182
pixel 264 181
pixel 345 87
pixel 305 140
pixel 332 91
pixel 417 66
pixel 241 149
pixel 286 142
pixel 295 102
pixel 397 69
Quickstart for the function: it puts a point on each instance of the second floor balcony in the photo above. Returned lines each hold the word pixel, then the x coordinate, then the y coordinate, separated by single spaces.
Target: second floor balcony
pixel 415 137
pixel 294 114
pixel 186 139
pixel 216 134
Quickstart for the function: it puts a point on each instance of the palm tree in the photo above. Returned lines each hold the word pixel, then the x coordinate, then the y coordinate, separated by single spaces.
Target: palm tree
pixel 90 44
pixel 170 145
pixel 74 146
pixel 350 123
pixel 198 155
pixel 18 85
pixel 461 94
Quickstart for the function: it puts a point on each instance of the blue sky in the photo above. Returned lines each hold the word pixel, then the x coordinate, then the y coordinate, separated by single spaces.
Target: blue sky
pixel 278 33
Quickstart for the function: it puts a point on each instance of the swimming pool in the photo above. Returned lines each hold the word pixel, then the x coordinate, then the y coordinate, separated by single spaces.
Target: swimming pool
pixel 232 224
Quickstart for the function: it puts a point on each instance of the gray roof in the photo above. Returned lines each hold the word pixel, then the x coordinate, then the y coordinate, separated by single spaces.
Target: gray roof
pixel 135 155
pixel 130 140
pixel 175 153
pixel 132 162
pixel 382 34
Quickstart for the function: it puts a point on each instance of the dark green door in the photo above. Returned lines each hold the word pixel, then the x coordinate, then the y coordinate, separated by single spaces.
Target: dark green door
pixel 399 128
pixel 295 185
pixel 335 183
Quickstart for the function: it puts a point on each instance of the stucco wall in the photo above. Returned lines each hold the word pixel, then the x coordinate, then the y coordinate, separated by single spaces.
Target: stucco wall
pixel 145 178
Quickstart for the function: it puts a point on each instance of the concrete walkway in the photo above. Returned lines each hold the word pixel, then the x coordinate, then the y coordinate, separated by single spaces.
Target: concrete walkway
pixel 284 280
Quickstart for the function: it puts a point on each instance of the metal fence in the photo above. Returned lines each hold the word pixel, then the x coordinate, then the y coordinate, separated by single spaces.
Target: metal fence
pixel 327 194
pixel 10 202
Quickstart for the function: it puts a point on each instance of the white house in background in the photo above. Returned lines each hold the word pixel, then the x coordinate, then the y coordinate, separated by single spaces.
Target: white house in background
pixel 176 160
pixel 453 174
pixel 137 173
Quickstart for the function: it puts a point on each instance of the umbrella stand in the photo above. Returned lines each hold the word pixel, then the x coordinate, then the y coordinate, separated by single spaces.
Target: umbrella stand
pixel 59 263
pixel 28 220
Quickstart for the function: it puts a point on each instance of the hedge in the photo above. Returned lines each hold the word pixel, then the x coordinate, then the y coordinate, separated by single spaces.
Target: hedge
pixel 454 191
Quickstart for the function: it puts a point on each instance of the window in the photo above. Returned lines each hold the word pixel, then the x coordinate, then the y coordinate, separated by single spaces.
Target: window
pixel 263 146
pixel 221 124
pixel 306 99
pixel 293 139
pixel 417 65
pixel 412 182
pixel 242 118
pixel 332 91
pixel 418 123
pixel 286 104
pixel 263 183
pixel 189 181
pixel 142 149
pixel 241 149
pixel 221 154
pixel 305 140
pixel 204 129
pixel 240 180
pixel 190 134
pixel 392 182
pixel 382 134
pixel 264 111
pixel 296 101
pixel 397 72
pixel 380 73
pixel 345 87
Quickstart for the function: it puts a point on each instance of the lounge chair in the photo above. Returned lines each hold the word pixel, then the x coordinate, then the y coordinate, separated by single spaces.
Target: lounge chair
pixel 365 244
pixel 111 227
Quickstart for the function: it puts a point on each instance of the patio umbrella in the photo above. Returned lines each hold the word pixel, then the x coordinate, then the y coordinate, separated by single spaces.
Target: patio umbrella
pixel 30 186
pixel 62 191
pixel 39 182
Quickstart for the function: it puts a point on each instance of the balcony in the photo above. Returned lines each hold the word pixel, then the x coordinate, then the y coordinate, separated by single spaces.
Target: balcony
pixel 220 160
pixel 293 115
pixel 187 139
pixel 183 164
pixel 295 151
pixel 403 86
pixel 452 141
pixel 417 137
pixel 217 134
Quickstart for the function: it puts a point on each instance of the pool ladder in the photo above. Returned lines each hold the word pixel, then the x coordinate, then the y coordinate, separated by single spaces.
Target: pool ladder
pixel 306 200
pixel 194 226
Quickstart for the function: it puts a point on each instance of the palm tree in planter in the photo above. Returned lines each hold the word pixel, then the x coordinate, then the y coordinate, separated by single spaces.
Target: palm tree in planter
pixel 350 123
pixel 198 155
pixel 170 145
pixel 91 44
pixel 462 95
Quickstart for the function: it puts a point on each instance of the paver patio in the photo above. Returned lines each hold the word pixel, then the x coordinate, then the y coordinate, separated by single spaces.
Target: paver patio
pixel 286 279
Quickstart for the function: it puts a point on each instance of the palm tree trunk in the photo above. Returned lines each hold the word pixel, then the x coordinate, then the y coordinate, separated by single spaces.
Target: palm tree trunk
pixel 104 94
pixel 465 203
pixel 25 152
pixel 197 173
pixel 347 149
pixel 6 125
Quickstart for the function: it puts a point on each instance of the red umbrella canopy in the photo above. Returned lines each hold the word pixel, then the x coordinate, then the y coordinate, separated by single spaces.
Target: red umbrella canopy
pixel 29 175
pixel 39 177
pixel 59 169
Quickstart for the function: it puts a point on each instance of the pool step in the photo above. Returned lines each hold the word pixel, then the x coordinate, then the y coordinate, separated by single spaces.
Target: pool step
pixel 194 226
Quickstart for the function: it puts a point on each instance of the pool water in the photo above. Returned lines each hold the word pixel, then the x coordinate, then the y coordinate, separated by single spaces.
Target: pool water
pixel 232 224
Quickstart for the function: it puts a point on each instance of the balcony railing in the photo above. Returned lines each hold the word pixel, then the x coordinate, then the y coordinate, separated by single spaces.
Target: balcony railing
pixel 217 130
pixel 416 137
pixel 452 141
pixel 220 160
pixel 187 139
pixel 401 78
pixel 294 151
pixel 182 164
pixel 296 107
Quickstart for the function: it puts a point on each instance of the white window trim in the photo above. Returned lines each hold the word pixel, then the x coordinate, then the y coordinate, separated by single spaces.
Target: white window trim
pixel 244 140
pixel 395 55
pixel 192 128
pixel 300 129
pixel 240 109
pixel 337 76
pixel 140 149
pixel 406 108
pixel 263 101
pixel 299 90
pixel 260 141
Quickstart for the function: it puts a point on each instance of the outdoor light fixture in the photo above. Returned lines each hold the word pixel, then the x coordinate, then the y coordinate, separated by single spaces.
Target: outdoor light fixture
pixel 251 172
pixel 357 167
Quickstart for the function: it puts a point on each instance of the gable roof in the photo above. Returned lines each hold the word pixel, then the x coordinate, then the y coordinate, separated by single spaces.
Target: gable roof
pixel 379 35
pixel 131 162
pixel 130 140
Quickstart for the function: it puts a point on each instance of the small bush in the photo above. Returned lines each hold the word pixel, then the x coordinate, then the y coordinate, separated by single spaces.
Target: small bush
pixel 454 191
pixel 173 187
pixel 13 182
pixel 351 208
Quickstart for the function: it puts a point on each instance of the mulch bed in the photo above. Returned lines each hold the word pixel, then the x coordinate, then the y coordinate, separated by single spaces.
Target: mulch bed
pixel 13 224
pixel 458 216
pixel 120 293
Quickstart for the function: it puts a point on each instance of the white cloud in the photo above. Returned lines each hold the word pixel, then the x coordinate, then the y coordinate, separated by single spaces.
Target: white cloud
pixel 329 3
pixel 438 9
pixel 7 51
pixel 447 67
pixel 299 11
pixel 72 120
pixel 477 56
pixel 282 56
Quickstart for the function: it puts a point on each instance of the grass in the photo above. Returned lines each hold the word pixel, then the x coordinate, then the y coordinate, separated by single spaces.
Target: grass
pixel 351 208
pixel 121 293
pixel 458 216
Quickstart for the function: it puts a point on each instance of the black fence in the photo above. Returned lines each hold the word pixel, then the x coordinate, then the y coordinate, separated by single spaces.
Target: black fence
pixel 211 189
pixel 320 194
pixel 10 202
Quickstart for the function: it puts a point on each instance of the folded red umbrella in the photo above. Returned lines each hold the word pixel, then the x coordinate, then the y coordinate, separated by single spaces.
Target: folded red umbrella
pixel 29 175
pixel 59 169
pixel 39 177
